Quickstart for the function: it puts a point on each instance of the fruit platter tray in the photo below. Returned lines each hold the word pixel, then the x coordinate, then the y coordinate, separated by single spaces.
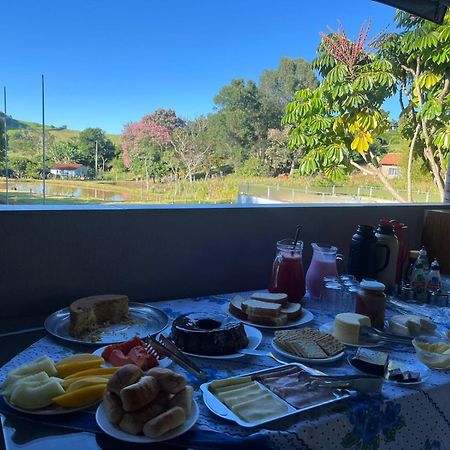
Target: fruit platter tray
pixel 144 320
pixel 264 396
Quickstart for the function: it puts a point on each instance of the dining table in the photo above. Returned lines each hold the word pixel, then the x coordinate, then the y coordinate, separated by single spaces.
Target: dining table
pixel 398 417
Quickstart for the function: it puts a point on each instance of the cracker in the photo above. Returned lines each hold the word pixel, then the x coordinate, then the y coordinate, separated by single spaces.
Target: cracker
pixel 330 345
pixel 309 349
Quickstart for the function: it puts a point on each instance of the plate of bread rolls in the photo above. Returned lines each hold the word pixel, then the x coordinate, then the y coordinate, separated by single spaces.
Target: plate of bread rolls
pixel 149 406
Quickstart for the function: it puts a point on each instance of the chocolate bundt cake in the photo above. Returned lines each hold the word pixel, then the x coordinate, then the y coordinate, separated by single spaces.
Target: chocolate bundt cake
pixel 208 334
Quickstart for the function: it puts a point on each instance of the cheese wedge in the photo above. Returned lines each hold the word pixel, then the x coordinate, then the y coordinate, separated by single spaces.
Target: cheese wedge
pixel 410 325
pixel 347 325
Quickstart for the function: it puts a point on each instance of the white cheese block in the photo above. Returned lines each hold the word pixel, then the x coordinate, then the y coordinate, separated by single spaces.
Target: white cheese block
pixel 410 325
pixel 347 325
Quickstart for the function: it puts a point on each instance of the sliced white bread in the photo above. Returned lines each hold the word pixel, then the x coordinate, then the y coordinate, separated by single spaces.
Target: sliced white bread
pixel 259 308
pixel 292 310
pixel 235 307
pixel 270 297
pixel 278 321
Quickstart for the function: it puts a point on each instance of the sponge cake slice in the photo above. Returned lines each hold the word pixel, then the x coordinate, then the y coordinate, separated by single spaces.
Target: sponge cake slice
pixel 235 307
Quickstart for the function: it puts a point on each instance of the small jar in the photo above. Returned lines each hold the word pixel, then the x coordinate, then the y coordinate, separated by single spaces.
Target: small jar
pixel 371 302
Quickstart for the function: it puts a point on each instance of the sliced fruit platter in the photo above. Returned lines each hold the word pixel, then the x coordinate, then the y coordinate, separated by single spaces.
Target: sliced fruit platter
pixel 44 386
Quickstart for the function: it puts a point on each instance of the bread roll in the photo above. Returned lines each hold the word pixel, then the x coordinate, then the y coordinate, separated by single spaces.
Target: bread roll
pixel 113 407
pixel 183 399
pixel 163 398
pixel 130 424
pixel 125 376
pixel 139 394
pixel 149 411
pixel 168 380
pixel 165 422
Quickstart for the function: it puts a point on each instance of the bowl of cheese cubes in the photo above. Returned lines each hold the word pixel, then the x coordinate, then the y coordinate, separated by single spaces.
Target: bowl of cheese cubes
pixel 433 351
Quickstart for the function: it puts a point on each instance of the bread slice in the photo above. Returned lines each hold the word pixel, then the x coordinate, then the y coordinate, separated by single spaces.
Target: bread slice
pixel 278 321
pixel 292 310
pixel 258 308
pixel 270 297
pixel 235 307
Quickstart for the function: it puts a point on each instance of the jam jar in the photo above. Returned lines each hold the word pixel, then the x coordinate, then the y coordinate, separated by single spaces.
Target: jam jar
pixel 371 302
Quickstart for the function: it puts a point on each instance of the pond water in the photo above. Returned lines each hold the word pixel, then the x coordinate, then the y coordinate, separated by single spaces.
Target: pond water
pixel 35 189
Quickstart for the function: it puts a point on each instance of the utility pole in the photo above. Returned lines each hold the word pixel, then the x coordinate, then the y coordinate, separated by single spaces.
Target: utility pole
pixel 6 145
pixel 96 158
pixel 44 168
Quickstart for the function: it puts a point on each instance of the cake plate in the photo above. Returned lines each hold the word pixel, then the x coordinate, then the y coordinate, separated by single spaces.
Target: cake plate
pixel 144 320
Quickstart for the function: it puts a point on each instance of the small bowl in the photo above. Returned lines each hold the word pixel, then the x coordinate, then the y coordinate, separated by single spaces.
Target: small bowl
pixel 428 351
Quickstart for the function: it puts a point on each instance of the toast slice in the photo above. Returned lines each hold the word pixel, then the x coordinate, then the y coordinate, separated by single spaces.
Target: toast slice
pixel 258 308
pixel 235 307
pixel 278 321
pixel 292 310
pixel 269 297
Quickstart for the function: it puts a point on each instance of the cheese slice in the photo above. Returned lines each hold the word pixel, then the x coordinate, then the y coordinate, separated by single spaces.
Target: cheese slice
pixel 263 407
pixel 347 325
pixel 410 325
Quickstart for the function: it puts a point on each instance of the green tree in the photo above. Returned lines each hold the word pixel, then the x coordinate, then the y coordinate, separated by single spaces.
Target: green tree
pixel 335 124
pixel 65 151
pixel 86 143
pixel 278 87
pixel 419 52
pixel 241 116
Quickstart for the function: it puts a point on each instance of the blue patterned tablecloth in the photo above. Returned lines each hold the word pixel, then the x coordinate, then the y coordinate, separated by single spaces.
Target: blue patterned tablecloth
pixel 399 418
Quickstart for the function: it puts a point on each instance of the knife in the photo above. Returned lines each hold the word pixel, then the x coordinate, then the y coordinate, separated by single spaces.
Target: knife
pixel 373 334
pixel 361 383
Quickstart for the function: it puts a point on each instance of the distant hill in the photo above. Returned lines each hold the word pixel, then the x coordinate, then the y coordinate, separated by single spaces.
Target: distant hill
pixel 60 133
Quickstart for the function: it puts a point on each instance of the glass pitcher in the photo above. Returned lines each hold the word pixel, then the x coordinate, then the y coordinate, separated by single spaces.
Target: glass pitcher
pixel 323 264
pixel 288 276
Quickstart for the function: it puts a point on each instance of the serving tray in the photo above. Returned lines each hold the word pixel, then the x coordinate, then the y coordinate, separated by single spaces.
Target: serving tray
pixel 220 409
pixel 144 320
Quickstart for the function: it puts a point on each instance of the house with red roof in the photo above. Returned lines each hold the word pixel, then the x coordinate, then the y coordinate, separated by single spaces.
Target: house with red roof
pixel 390 165
pixel 68 170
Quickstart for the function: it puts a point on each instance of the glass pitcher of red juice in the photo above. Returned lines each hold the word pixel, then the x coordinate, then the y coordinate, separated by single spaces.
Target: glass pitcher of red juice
pixel 288 276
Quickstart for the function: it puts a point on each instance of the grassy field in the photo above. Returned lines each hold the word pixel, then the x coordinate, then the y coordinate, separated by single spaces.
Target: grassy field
pixel 211 191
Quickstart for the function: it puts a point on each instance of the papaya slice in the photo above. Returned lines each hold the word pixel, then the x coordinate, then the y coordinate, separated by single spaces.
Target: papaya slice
pixel 79 357
pixel 65 370
pixel 81 397
pixel 77 383
pixel 100 371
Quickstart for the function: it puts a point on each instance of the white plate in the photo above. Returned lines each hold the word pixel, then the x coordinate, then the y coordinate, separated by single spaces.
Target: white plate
pixel 292 357
pixel 116 432
pixel 328 328
pixel 163 362
pixel 51 410
pixel 306 317
pixel 423 371
pixel 254 337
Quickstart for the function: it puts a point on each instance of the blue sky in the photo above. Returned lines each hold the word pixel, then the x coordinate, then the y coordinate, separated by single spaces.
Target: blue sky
pixel 109 62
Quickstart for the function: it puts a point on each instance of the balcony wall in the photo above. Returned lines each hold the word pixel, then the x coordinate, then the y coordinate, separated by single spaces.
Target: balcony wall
pixel 50 257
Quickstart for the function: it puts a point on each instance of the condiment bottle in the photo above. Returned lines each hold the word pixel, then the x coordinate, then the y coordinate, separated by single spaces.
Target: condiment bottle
pixel 371 302
pixel 418 281
pixel 386 238
pixel 434 277
pixel 424 258
pixel 412 258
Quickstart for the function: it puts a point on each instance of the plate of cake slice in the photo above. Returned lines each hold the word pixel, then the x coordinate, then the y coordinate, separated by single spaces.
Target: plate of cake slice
pixel 104 320
pixel 268 310
pixel 308 345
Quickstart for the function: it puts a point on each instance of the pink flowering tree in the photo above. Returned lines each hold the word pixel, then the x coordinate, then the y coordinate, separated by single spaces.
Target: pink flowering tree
pixel 144 142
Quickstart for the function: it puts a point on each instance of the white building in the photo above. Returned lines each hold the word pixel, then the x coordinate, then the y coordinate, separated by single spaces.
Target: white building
pixel 69 170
